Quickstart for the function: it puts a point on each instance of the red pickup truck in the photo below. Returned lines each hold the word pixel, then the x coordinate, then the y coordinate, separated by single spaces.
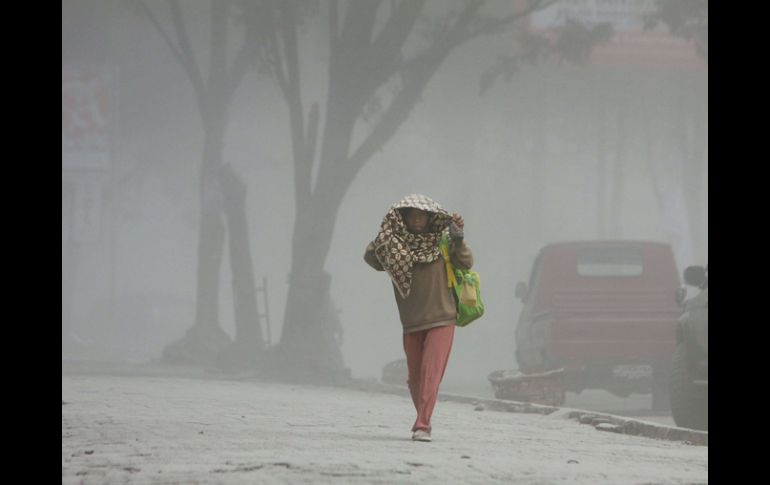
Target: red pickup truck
pixel 597 315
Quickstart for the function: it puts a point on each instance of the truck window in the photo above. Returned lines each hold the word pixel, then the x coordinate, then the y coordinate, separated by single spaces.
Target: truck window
pixel 609 261
pixel 535 271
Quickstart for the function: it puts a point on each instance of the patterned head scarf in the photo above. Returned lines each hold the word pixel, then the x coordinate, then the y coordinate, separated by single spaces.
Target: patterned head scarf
pixel 398 250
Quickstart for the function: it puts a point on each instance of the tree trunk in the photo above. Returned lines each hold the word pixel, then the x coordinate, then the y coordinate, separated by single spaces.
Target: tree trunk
pixel 693 141
pixel 309 349
pixel 206 339
pixel 616 207
pixel 703 247
pixel 70 252
pixel 539 160
pixel 601 155
pixel 249 345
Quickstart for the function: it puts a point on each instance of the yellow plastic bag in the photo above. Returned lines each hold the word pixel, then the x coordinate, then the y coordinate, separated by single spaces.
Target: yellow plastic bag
pixel 468 293
pixel 466 287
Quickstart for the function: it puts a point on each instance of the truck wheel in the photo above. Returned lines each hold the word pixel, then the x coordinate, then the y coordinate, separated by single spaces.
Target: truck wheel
pixel 689 404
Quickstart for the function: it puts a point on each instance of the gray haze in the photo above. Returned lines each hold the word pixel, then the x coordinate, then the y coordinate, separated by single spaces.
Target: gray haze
pixel 561 152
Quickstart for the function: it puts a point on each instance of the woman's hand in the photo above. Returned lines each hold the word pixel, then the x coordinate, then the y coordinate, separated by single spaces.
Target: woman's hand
pixel 456 227
pixel 458 219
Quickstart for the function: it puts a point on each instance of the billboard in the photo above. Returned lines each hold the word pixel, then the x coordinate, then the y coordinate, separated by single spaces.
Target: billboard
pixel 631 45
pixel 85 120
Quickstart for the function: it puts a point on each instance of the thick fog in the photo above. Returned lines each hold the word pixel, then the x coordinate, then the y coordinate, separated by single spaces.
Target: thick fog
pixel 613 150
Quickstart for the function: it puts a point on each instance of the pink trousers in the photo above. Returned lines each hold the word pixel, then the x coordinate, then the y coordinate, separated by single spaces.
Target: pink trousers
pixel 427 354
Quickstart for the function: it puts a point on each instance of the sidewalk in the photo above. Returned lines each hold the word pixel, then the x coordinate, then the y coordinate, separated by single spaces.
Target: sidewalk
pixel 177 429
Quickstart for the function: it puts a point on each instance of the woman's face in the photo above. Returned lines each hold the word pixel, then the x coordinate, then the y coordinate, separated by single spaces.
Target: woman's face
pixel 416 220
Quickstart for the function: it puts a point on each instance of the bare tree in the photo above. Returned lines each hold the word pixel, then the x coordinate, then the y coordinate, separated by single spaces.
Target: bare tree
pixel 222 193
pixel 363 60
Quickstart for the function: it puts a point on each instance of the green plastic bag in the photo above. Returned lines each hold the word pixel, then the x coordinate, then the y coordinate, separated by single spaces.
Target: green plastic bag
pixel 466 286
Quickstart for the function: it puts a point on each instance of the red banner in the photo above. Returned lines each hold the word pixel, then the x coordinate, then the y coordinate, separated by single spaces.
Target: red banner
pixel 85 123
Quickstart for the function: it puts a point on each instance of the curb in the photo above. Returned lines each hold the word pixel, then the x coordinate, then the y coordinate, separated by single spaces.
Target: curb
pixel 600 421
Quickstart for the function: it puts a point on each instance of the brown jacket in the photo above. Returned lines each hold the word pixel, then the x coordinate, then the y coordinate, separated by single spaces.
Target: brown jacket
pixel 430 302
